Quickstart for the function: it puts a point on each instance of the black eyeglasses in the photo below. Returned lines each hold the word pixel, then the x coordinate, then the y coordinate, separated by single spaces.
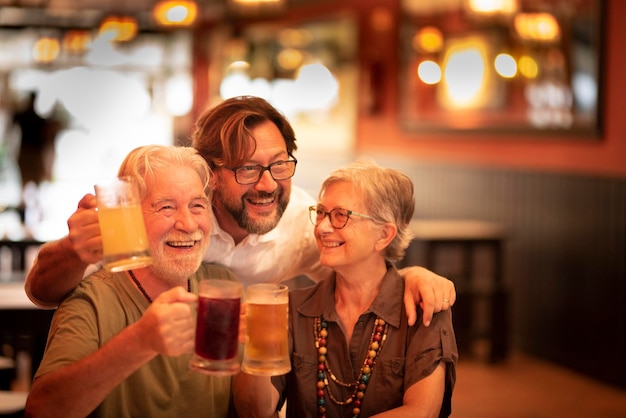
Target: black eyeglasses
pixel 279 170
pixel 338 217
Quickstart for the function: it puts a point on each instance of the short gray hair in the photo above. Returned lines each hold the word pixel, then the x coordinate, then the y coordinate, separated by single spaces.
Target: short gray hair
pixel 387 195
pixel 141 162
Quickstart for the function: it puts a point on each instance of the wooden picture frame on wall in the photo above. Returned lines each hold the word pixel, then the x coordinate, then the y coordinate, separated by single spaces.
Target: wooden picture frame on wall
pixel 523 66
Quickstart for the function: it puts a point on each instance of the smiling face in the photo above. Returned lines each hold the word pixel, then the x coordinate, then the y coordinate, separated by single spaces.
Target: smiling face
pixel 175 212
pixel 254 208
pixel 356 243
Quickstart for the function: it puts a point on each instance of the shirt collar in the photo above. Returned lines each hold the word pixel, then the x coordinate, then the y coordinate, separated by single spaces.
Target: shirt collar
pixel 388 304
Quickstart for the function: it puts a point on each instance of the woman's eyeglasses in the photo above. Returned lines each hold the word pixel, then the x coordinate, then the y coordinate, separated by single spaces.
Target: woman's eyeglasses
pixel 338 217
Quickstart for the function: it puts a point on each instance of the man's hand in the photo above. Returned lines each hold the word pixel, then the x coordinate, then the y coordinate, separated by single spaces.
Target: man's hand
pixel 434 293
pixel 168 325
pixel 84 231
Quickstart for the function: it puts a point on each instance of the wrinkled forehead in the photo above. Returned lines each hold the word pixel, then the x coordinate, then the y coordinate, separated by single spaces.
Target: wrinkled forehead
pixel 341 194
pixel 178 181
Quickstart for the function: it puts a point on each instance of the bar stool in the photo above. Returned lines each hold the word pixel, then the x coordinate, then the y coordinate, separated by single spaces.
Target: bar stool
pixel 470 253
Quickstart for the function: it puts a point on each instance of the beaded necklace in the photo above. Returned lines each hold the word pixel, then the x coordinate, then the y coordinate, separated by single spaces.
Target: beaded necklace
pixel 378 338
pixel 143 291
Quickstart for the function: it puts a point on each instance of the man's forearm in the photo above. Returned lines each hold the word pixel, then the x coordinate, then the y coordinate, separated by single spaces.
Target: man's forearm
pixel 254 396
pixel 56 271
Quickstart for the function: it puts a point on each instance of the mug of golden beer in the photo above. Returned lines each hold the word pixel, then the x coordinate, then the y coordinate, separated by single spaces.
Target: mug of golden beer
pixel 266 350
pixel 124 239
pixel 217 328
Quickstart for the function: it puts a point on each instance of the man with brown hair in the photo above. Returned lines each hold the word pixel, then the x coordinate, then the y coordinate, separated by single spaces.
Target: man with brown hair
pixel 259 221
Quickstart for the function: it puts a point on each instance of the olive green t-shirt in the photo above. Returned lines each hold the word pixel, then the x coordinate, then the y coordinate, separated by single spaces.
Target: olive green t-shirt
pixel 97 310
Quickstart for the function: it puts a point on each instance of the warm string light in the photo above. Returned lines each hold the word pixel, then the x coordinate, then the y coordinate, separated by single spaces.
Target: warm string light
pixel 46 49
pixel 257 7
pixel 175 12
pixel 492 6
pixel 76 41
pixel 538 27
pixel 118 28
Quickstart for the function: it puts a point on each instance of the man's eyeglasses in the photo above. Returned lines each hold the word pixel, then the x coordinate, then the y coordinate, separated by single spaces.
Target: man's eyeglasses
pixel 338 217
pixel 279 170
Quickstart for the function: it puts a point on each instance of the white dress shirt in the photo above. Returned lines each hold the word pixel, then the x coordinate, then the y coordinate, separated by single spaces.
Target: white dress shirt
pixel 287 251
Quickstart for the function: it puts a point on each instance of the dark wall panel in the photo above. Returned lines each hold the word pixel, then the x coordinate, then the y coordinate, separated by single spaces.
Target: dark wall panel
pixel 565 256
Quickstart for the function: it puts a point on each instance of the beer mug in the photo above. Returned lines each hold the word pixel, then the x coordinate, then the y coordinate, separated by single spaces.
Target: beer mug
pixel 217 328
pixel 266 350
pixel 124 240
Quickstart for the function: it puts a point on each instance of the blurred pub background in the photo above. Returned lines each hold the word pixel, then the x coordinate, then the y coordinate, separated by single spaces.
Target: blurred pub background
pixel 507 114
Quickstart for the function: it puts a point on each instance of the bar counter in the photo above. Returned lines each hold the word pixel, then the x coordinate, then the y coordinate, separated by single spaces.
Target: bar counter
pixel 12 294
pixel 23 326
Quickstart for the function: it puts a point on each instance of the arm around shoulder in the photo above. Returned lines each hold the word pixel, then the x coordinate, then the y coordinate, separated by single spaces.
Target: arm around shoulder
pixel 57 270
pixel 432 292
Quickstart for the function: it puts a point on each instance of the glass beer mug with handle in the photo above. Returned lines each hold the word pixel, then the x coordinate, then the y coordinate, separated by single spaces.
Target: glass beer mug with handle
pixel 266 350
pixel 124 240
pixel 217 328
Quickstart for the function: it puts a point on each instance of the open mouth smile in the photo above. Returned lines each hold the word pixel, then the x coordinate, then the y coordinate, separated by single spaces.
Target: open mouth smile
pixel 182 244
pixel 265 201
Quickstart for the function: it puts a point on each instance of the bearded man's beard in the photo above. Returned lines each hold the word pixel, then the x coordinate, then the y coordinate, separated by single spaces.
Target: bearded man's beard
pixel 258 225
pixel 175 270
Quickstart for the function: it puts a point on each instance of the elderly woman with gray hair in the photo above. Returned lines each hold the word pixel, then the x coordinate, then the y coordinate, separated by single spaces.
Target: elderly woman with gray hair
pixel 352 353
